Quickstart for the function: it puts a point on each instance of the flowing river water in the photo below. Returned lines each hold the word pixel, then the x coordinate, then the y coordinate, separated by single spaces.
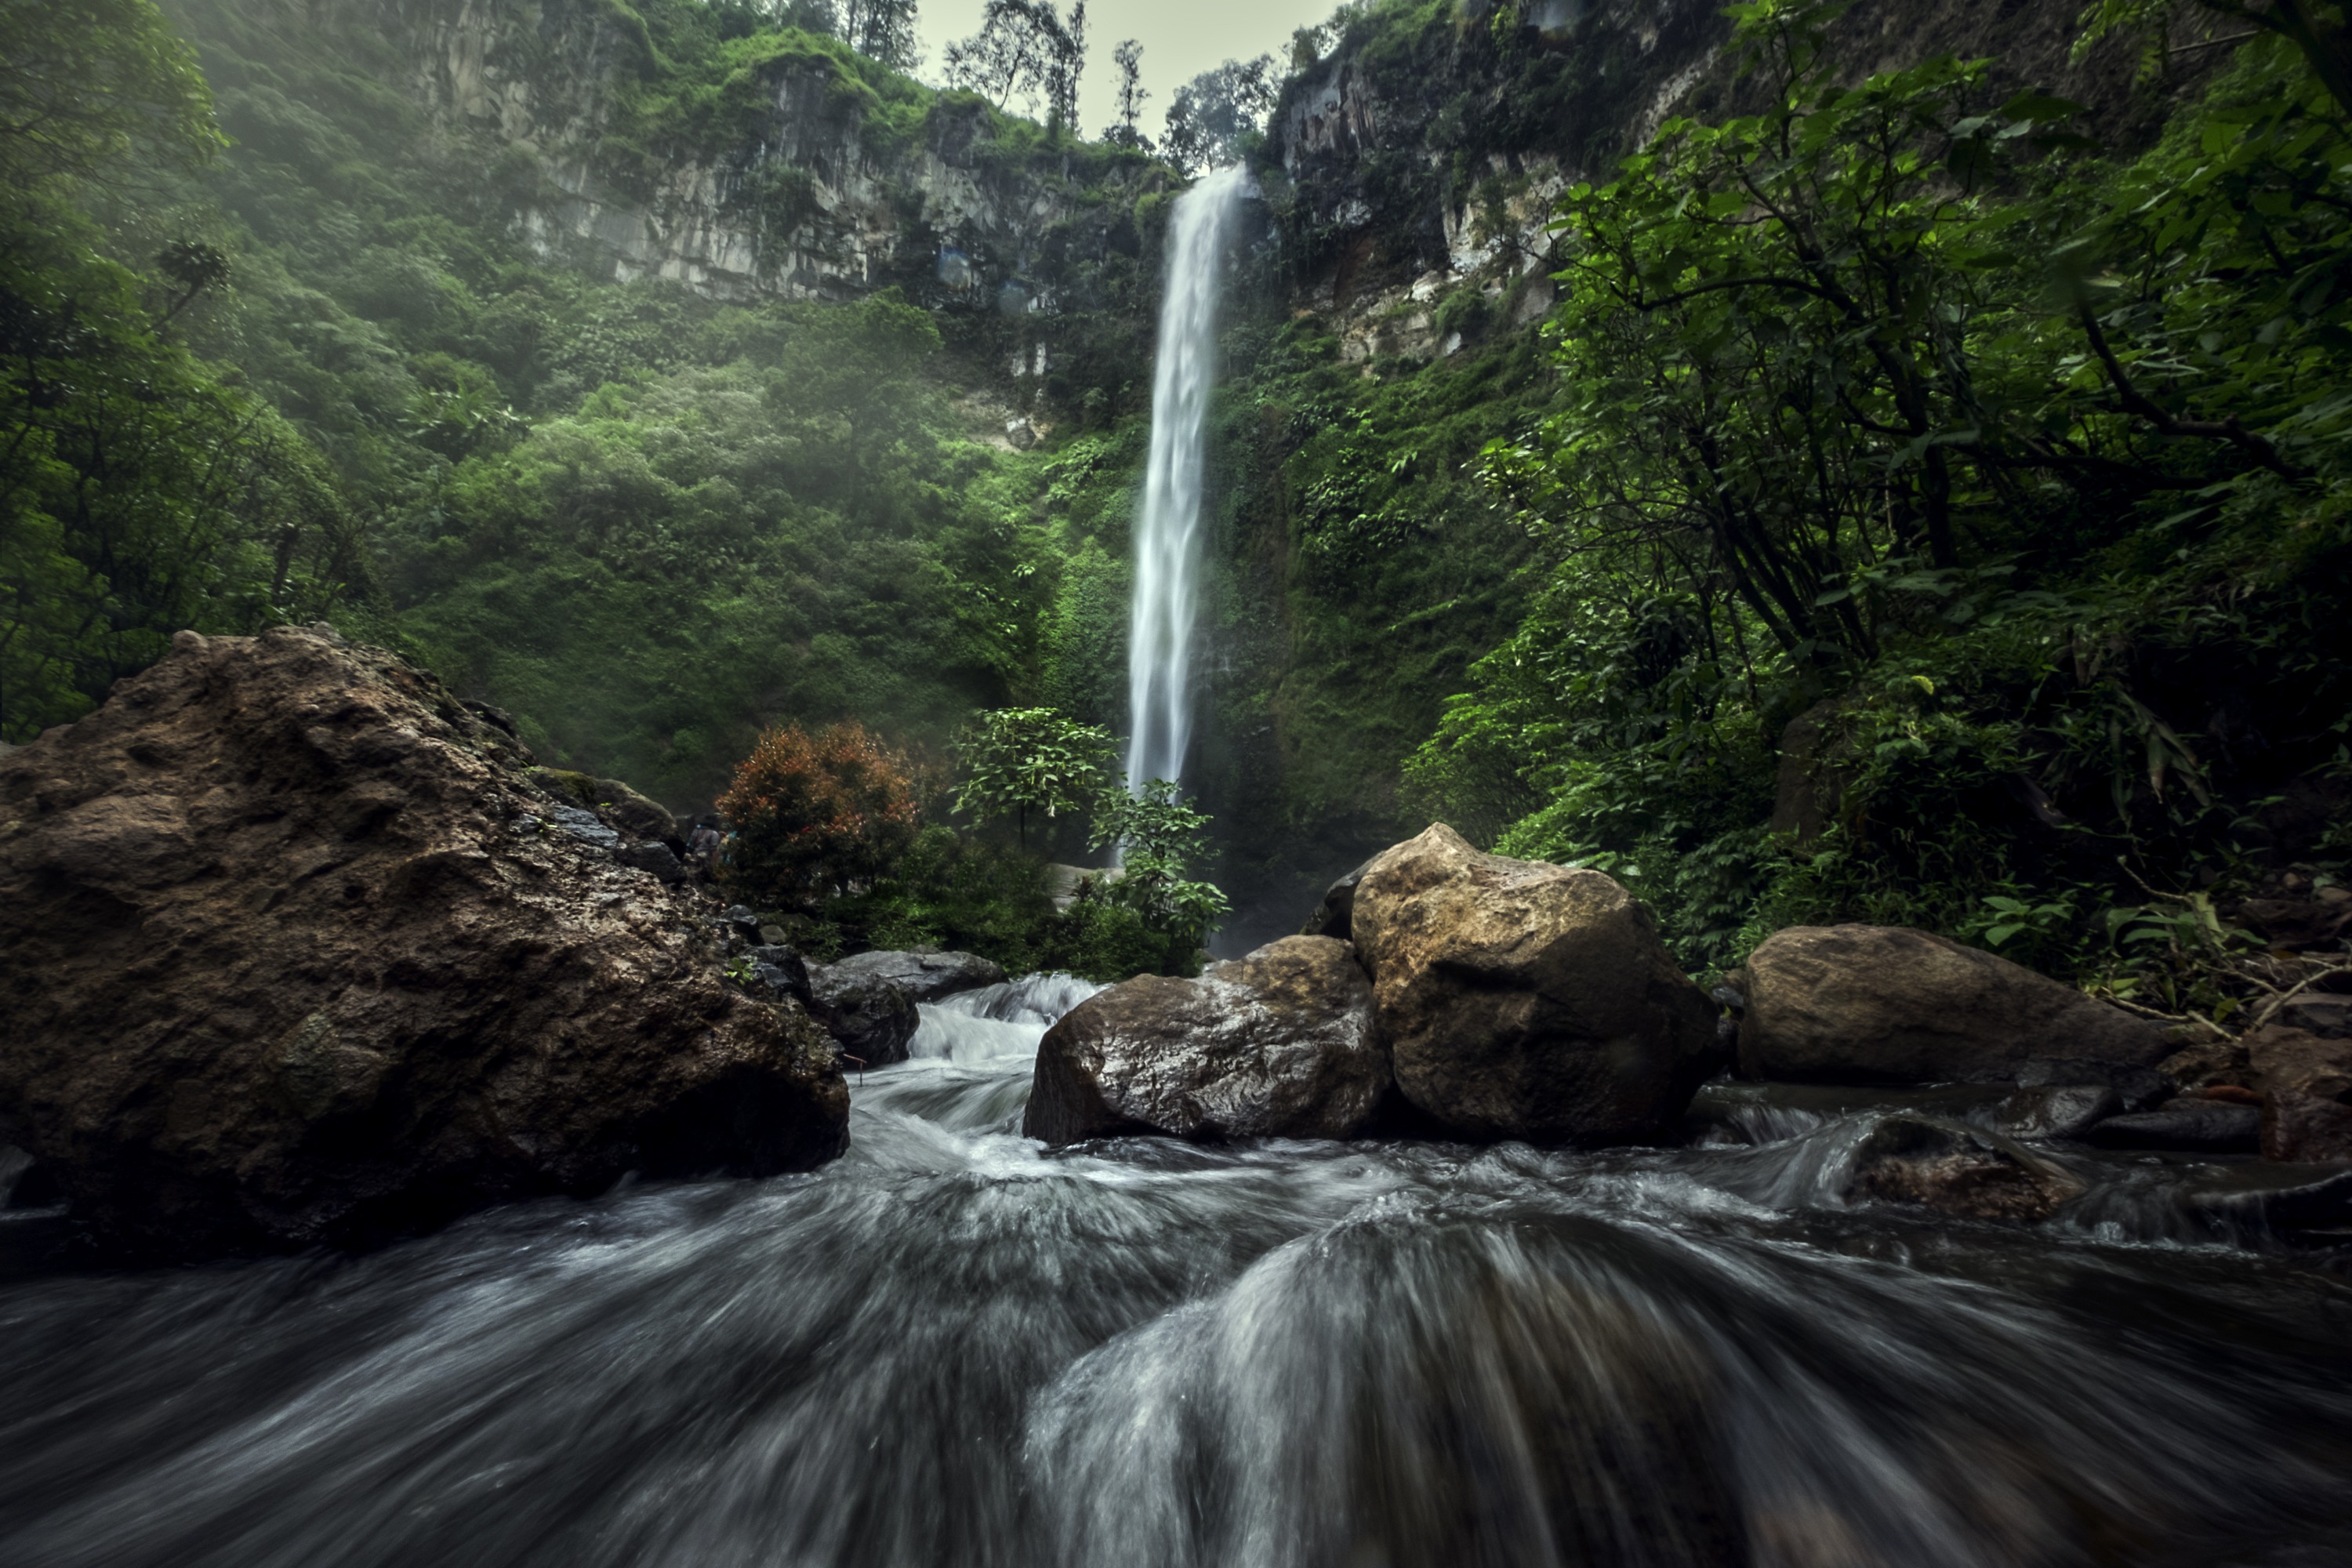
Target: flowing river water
pixel 954 1347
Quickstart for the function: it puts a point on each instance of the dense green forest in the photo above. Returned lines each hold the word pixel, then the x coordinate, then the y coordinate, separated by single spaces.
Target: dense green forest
pixel 1910 509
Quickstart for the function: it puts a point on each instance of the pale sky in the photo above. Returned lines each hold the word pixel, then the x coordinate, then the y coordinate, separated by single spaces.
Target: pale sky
pixel 1180 41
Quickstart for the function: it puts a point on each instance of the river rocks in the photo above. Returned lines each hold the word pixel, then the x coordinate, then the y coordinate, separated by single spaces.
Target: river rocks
pixel 926 976
pixel 1280 1044
pixel 2187 1126
pixel 2059 1111
pixel 281 966
pixel 2135 1088
pixel 1889 1004
pixel 1523 1000
pixel 2300 1061
pixel 1958 1169
pixel 2305 1128
pixel 867 1016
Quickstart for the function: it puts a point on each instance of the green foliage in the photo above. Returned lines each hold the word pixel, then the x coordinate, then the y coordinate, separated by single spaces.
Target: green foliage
pixel 1892 394
pixel 1021 759
pixel 141 488
pixel 1160 840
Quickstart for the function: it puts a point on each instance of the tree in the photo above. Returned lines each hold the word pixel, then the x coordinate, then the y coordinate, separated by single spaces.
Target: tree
pixel 85 85
pixel 1215 110
pixel 882 30
pixel 1128 58
pixel 810 814
pixel 1160 839
pixel 1024 48
pixel 1022 759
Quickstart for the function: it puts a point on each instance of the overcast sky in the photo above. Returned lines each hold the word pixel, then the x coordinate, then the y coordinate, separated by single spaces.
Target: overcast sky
pixel 1180 41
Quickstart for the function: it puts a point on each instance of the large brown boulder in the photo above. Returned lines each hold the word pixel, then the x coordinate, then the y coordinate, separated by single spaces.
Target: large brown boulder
pixel 1857 1004
pixel 2307 1087
pixel 291 951
pixel 1524 1000
pixel 1281 1044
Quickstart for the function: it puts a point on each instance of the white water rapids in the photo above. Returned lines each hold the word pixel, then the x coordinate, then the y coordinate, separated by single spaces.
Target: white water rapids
pixel 1166 603
pixel 954 1347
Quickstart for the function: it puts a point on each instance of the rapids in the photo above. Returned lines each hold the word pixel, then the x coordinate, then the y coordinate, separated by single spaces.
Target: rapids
pixel 953 1347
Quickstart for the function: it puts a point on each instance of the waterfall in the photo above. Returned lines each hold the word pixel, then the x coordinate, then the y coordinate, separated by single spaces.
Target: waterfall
pixel 1168 535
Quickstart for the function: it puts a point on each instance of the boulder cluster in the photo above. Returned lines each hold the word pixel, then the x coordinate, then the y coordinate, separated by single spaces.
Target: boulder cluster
pixel 1443 990
pixel 1437 987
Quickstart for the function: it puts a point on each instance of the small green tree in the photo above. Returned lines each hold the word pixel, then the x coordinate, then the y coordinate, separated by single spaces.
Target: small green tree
pixel 1160 839
pixel 1020 760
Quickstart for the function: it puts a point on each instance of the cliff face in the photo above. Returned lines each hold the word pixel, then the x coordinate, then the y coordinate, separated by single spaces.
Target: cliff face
pixel 806 181
pixel 1419 158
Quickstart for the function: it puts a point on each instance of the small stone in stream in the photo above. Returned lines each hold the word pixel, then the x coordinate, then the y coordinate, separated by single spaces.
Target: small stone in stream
pixel 2188 1126
pixel 2302 1128
pixel 1959 1170
pixel 2059 1111
pixel 926 976
pixel 655 858
pixel 2139 1088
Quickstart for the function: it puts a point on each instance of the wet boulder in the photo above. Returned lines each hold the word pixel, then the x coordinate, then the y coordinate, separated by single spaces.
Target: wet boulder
pixel 1525 1000
pixel 869 1018
pixel 1280 1044
pixel 291 951
pixel 926 975
pixel 1857 1004
pixel 1957 1169
pixel 2305 1081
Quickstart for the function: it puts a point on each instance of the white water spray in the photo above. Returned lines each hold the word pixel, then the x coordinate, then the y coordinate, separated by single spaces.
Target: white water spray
pixel 1168 536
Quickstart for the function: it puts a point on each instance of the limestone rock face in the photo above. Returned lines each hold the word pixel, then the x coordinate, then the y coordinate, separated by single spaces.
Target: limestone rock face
pixel 1857 1004
pixel 1280 1044
pixel 292 952
pixel 1524 1000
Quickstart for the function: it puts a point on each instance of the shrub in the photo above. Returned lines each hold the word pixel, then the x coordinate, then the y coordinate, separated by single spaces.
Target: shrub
pixel 813 812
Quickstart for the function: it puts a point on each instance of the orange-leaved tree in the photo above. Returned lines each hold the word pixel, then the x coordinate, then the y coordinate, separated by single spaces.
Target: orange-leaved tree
pixel 813 812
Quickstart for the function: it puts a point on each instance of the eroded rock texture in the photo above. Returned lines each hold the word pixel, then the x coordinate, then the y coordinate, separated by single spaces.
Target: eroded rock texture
pixel 291 951
pixel 1525 1000
pixel 1279 1044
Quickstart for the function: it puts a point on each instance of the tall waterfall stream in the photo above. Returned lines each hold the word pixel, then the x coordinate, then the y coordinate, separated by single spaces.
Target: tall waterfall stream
pixel 953 1347
pixel 1168 534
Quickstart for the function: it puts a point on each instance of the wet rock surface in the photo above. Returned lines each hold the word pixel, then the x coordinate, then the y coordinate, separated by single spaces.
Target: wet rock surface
pixel 1891 1005
pixel 926 976
pixel 1959 1170
pixel 1282 1043
pixel 2194 1126
pixel 2059 1111
pixel 867 1016
pixel 1524 1000
pixel 295 952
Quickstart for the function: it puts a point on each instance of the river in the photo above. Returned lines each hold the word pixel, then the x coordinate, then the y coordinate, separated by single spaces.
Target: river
pixel 953 1347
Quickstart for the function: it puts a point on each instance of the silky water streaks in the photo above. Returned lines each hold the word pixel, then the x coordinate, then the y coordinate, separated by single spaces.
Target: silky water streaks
pixel 1168 535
